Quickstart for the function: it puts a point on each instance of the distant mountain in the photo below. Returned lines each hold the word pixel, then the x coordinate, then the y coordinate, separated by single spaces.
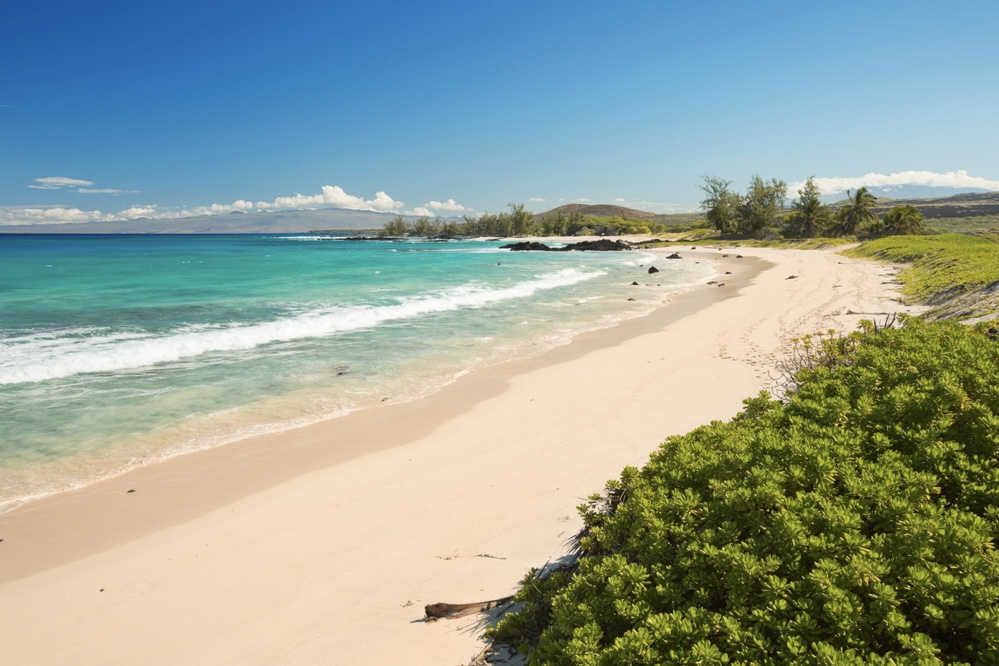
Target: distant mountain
pixel 600 210
pixel 271 222
pixel 921 192
pixel 975 204
pixel 966 204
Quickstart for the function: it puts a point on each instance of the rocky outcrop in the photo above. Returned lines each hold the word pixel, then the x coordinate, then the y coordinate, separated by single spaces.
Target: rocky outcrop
pixel 601 245
pixel 527 246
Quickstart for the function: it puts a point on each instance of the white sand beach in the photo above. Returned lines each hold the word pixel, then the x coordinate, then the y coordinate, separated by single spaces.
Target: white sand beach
pixel 285 550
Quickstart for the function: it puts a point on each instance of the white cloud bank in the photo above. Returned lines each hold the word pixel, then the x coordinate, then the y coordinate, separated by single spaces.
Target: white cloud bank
pixel 331 196
pixel 955 179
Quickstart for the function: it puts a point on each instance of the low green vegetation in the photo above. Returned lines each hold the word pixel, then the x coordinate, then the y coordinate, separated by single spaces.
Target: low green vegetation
pixel 939 266
pixel 854 521
pixel 798 243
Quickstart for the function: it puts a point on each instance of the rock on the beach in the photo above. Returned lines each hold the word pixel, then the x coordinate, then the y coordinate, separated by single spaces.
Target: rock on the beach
pixel 675 255
pixel 653 269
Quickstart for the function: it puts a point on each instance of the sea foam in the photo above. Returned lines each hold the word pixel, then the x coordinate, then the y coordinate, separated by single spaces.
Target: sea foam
pixel 64 353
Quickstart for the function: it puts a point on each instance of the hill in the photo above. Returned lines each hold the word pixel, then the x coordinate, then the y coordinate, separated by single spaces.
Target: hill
pixel 600 210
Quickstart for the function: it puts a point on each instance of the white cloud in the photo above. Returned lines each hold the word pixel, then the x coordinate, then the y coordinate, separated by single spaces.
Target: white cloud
pixel 583 200
pixel 619 200
pixel 74 184
pixel 450 205
pixel 58 182
pixel 422 212
pixel 104 190
pixel 956 179
pixel 215 209
pixel 136 212
pixel 333 195
pixel 537 200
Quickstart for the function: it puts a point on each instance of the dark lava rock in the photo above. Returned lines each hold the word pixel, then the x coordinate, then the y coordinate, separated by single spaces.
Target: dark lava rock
pixel 653 269
pixel 602 245
pixel 526 246
pixel 675 255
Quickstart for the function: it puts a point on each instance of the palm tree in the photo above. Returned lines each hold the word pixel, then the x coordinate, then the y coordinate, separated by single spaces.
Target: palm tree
pixel 856 214
pixel 902 220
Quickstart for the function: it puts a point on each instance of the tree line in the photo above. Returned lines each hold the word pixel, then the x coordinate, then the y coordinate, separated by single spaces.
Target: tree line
pixel 518 222
pixel 761 212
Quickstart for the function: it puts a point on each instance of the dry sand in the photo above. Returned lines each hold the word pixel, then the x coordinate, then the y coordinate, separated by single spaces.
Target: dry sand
pixel 290 550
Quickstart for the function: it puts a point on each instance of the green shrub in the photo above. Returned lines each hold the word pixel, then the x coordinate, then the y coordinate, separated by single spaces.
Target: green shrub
pixel 853 523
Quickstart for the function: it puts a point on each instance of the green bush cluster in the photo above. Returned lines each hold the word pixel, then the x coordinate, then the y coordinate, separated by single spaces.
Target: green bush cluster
pixel 854 522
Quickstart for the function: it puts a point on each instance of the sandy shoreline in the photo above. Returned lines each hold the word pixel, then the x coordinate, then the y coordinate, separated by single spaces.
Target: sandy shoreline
pixel 284 549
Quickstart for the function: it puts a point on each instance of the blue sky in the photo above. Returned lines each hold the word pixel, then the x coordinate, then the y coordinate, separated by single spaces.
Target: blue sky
pixel 117 109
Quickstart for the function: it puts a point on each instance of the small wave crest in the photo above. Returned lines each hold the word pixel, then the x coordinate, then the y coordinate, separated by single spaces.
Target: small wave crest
pixel 43 356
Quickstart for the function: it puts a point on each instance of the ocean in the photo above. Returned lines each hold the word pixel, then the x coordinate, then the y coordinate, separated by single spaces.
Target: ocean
pixel 121 351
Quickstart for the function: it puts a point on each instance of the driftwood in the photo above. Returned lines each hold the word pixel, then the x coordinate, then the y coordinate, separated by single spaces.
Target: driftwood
pixel 442 611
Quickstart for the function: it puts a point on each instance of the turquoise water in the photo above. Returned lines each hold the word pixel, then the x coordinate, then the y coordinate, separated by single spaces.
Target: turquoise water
pixel 119 351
